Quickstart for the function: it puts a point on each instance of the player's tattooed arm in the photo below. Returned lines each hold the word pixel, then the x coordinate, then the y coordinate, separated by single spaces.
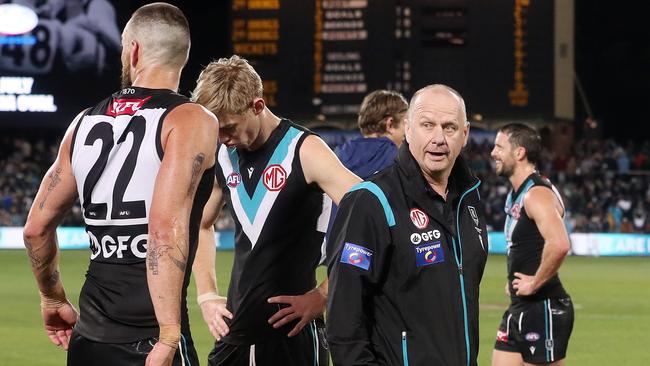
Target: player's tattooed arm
pixel 197 171
pixel 54 179
pixel 157 252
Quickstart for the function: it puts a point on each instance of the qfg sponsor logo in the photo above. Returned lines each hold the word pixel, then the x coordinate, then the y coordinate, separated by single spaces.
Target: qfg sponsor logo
pixel 233 180
pixel 274 177
pixel 116 247
pixel 419 218
pixel 417 238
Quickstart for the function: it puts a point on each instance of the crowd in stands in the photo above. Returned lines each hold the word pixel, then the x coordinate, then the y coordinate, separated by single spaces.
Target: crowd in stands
pixel 605 186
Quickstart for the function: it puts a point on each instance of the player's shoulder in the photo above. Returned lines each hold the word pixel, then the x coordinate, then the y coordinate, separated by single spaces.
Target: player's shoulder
pixel 191 115
pixel 539 195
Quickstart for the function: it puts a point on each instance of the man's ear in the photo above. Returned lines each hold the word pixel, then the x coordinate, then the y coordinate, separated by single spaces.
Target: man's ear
pixel 258 106
pixel 134 54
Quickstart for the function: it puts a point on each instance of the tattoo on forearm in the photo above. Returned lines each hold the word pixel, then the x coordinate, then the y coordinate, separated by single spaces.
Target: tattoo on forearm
pixel 54 278
pixel 55 179
pixel 181 264
pixel 154 254
pixel 36 260
pixel 197 166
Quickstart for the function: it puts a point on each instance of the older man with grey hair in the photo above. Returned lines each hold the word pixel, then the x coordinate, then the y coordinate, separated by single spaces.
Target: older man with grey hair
pixel 408 249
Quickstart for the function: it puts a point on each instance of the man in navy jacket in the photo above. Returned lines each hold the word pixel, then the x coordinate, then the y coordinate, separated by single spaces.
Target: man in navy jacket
pixel 408 249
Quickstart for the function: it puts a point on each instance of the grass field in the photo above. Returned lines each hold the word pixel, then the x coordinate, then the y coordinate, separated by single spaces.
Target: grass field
pixel 611 297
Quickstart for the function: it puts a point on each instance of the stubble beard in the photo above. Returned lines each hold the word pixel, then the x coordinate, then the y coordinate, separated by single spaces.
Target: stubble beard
pixel 125 77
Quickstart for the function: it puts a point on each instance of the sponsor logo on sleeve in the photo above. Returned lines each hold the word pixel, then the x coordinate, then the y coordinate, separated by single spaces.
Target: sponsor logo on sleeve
pixel 356 255
pixel 502 336
pixel 429 253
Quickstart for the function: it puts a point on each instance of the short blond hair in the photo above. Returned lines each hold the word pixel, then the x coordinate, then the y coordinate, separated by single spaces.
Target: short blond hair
pixel 228 85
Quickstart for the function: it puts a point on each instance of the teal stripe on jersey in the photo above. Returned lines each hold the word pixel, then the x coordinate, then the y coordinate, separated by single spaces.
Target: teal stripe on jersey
pixel 251 204
pixel 511 222
pixel 374 189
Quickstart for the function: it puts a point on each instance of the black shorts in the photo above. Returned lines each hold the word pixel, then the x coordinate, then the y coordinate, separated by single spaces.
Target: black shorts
pixel 84 352
pixel 307 348
pixel 538 330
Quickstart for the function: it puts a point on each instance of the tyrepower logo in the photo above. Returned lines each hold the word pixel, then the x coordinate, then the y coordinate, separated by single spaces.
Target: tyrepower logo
pixel 274 177
pixel 121 107
pixel 419 218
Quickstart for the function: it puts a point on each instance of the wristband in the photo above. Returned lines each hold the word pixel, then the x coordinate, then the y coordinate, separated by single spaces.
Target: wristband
pixel 207 297
pixel 170 335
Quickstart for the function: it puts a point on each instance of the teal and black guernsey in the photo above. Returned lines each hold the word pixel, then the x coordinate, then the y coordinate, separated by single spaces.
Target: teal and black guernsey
pixel 280 223
pixel 526 244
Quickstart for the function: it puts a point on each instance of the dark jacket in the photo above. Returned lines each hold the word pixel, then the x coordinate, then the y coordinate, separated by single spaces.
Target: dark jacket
pixel 366 156
pixel 405 268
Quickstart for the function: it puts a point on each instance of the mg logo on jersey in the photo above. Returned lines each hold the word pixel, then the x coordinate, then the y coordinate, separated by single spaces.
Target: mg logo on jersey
pixel 274 177
pixel 419 218
pixel 515 211
pixel 233 180
pixel 121 107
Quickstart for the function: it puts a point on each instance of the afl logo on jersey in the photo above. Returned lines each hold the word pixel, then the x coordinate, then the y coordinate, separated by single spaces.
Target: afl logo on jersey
pixel 274 177
pixel 419 218
pixel 233 180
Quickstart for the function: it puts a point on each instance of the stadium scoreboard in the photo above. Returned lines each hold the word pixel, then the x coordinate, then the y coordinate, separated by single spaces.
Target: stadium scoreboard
pixel 319 58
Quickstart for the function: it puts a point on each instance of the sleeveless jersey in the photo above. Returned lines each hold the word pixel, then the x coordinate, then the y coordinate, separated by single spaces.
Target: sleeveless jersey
pixel 116 153
pixel 525 243
pixel 280 223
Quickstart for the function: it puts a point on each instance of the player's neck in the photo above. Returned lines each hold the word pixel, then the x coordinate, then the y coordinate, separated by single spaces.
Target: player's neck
pixel 157 78
pixel 269 122
pixel 520 174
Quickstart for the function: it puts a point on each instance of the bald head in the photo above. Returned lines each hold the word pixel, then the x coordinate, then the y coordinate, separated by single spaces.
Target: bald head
pixel 162 34
pixel 438 90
